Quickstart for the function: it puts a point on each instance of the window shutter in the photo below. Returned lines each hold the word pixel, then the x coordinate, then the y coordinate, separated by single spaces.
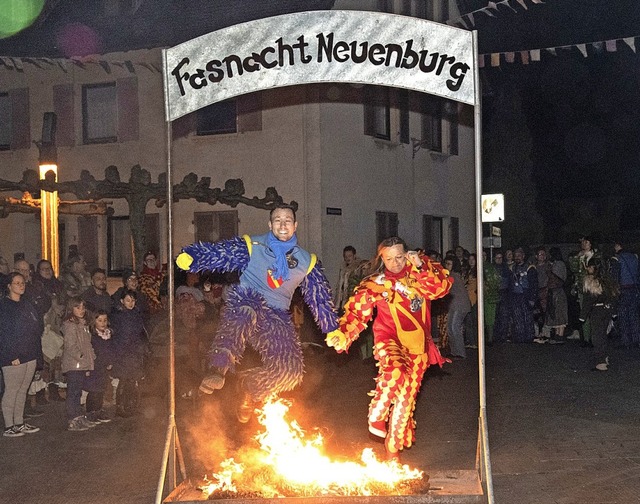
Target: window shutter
pixel 427 232
pixel 63 106
pixel 454 232
pixel 128 109
pixel 20 119
pixel 228 224
pixel 249 109
pixel 184 126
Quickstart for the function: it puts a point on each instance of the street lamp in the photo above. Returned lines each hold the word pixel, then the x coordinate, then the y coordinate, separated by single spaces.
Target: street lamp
pixel 48 164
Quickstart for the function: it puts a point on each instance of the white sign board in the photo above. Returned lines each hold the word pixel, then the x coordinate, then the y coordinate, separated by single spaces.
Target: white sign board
pixel 320 46
pixel 492 207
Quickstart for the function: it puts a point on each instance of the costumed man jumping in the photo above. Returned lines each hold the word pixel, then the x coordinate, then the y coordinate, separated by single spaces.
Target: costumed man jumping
pixel 256 310
pixel 401 292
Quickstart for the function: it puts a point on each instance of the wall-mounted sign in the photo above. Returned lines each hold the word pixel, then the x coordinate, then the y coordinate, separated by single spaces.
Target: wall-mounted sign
pixel 334 211
pixel 320 46
pixel 492 207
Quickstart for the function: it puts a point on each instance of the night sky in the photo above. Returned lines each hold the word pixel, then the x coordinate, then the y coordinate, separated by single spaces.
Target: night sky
pixel 583 113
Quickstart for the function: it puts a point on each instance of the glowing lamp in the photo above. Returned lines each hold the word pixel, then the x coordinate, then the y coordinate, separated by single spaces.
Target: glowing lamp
pixel 49 207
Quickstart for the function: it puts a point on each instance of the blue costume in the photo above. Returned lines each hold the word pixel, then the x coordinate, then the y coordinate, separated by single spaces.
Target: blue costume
pixel 256 310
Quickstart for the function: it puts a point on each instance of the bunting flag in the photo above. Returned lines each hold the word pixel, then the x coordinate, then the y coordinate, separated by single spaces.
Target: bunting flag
pixel 17 64
pixel 599 47
pixel 467 20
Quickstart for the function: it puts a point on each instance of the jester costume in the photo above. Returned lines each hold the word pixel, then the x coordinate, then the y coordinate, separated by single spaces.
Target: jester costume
pixel 256 310
pixel 403 347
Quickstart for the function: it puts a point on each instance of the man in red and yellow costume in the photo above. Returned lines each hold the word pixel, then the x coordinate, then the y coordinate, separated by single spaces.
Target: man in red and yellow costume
pixel 401 292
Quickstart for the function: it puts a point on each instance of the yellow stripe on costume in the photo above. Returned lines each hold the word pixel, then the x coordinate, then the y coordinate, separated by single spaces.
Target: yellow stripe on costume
pixel 247 240
pixel 312 263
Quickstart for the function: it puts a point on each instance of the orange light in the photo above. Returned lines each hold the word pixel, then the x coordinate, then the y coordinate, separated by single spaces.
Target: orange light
pixel 49 220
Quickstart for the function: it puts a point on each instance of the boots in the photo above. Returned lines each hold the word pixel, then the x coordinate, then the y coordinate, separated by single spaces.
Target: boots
pixel 54 392
pixel 41 398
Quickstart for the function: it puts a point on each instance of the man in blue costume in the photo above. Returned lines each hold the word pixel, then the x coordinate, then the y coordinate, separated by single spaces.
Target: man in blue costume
pixel 256 310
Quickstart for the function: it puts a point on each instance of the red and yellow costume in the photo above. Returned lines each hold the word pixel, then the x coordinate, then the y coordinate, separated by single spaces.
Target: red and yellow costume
pixel 403 346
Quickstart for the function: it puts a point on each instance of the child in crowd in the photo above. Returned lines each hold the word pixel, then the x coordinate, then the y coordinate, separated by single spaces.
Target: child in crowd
pixel 97 381
pixel 130 344
pixel 77 361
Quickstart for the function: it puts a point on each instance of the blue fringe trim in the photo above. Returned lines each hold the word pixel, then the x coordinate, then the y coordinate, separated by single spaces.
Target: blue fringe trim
pixel 224 255
pixel 316 292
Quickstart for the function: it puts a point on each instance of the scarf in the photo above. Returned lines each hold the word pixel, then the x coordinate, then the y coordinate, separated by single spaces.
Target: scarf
pixel 280 249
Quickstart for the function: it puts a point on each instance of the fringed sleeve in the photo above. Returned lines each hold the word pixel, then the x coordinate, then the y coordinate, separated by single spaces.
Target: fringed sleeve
pixel 433 280
pixel 317 294
pixel 223 256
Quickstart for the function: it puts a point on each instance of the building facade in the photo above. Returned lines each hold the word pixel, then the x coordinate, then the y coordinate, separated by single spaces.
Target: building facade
pixel 362 162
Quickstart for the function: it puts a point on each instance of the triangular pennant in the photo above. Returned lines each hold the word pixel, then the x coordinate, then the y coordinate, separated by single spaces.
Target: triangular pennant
pixel 62 66
pixel 130 66
pixel 611 45
pixel 461 22
pixel 535 54
pixel 583 49
pixel 78 63
pixel 17 63
pixel 506 2
pixel 537 1
pixel 105 66
pixel 480 60
pixel 524 56
pixel 488 12
pixel 495 59
pixel 32 62
pixel 552 50
pixel 492 5
pixel 631 42
pixel 471 20
pixel 524 5
pixel 509 57
pixel 47 61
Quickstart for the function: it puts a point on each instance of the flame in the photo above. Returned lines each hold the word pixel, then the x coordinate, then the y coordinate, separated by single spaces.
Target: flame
pixel 291 463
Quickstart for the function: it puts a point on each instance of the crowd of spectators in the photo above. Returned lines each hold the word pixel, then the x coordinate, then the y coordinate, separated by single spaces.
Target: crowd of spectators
pixel 531 295
pixel 69 339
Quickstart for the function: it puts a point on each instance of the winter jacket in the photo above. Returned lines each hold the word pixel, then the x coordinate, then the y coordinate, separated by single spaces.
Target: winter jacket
pixel 20 332
pixel 77 353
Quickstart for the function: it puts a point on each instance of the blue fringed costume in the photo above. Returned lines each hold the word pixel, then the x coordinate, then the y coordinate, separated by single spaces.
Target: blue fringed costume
pixel 256 310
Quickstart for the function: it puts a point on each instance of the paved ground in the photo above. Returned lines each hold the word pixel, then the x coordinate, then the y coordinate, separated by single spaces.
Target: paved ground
pixel 559 432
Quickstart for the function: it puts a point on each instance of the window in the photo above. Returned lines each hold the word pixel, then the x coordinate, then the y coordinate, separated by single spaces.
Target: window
pixel 99 113
pixel 5 121
pixel 120 242
pixel 438 10
pixel 386 225
pixel 440 124
pixel 385 6
pixel 403 106
pixel 214 226
pixel 432 236
pixel 217 119
pixel 376 112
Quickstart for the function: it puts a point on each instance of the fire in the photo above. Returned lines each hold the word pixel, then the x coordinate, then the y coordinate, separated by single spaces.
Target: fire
pixel 291 463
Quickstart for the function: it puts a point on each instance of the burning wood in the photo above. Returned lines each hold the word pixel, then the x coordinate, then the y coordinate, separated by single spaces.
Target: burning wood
pixel 289 463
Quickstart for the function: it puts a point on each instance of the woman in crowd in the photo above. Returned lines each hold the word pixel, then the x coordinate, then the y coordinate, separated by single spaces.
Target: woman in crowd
pixel 150 280
pixel 78 360
pixel 401 293
pixel 471 320
pixel 96 383
pixel 20 350
pixel 599 294
pixel 459 306
pixel 130 345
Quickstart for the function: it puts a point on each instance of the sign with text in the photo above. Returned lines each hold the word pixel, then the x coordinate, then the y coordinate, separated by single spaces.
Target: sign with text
pixel 320 46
